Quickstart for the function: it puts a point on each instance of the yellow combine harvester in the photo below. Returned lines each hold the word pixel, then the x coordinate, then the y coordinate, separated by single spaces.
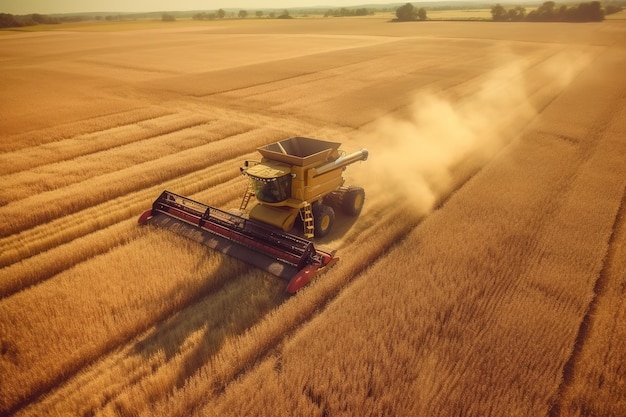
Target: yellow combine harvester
pixel 301 178
pixel 297 179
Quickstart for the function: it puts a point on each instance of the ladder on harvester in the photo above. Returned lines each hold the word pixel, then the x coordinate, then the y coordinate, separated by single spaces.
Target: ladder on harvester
pixel 246 197
pixel 307 219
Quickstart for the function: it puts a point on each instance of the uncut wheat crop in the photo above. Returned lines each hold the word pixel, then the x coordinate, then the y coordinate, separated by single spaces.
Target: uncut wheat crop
pixel 484 277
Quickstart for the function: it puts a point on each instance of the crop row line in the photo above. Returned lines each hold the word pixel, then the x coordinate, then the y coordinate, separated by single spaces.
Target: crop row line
pixel 23 245
pixel 39 248
pixel 47 260
pixel 82 127
pixel 600 290
pixel 63 174
pixel 94 142
pixel 31 212
pixel 282 121
pixel 300 79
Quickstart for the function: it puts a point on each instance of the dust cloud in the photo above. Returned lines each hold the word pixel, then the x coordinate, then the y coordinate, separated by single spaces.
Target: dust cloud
pixel 419 157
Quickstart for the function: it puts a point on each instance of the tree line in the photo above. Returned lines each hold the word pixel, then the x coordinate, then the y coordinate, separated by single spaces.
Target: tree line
pixel 343 12
pixel 549 12
pixel 8 20
pixel 242 14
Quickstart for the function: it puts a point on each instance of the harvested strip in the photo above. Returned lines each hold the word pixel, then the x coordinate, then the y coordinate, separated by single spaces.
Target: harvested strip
pixel 88 143
pixel 41 238
pixel 38 268
pixel 82 127
pixel 42 208
pixel 54 176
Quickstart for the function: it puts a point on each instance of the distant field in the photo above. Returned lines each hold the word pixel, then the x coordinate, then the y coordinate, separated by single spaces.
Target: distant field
pixel 484 277
pixel 617 16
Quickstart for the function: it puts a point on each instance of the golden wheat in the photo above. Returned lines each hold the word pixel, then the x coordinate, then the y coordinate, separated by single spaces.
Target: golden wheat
pixel 145 287
pixel 244 293
pixel 61 174
pixel 474 312
pixel 50 247
pixel 40 208
pixel 512 337
pixel 466 334
pixel 89 143
pixel 29 137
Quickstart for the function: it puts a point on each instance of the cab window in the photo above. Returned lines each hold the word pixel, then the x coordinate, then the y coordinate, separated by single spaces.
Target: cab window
pixel 272 190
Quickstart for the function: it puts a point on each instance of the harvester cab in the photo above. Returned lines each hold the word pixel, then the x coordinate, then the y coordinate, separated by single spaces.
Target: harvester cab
pixel 297 178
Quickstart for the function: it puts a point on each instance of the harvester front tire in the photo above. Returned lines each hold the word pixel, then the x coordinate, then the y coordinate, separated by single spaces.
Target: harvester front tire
pixel 353 200
pixel 323 218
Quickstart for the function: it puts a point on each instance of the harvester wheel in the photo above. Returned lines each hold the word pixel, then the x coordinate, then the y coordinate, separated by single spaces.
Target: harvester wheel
pixel 353 200
pixel 324 218
pixel 335 198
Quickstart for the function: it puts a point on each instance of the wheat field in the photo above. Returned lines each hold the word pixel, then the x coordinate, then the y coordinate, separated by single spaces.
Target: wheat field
pixel 484 277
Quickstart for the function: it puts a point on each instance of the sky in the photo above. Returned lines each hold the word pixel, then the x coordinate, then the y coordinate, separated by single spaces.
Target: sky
pixel 70 6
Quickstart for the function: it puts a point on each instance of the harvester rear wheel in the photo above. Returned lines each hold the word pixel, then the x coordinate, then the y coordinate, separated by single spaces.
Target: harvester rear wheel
pixel 324 218
pixel 353 200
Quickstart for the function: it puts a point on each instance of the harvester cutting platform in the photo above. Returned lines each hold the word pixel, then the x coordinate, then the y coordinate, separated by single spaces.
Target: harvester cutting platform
pixel 298 180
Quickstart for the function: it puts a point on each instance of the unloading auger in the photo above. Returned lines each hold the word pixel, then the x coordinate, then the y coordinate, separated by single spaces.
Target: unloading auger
pixel 297 179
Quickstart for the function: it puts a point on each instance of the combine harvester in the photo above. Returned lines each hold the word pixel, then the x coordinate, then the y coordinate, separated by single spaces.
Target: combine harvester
pixel 297 179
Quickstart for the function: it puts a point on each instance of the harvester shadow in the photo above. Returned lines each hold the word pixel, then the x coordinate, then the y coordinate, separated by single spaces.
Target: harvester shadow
pixel 191 337
pixel 343 224
pixel 235 298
